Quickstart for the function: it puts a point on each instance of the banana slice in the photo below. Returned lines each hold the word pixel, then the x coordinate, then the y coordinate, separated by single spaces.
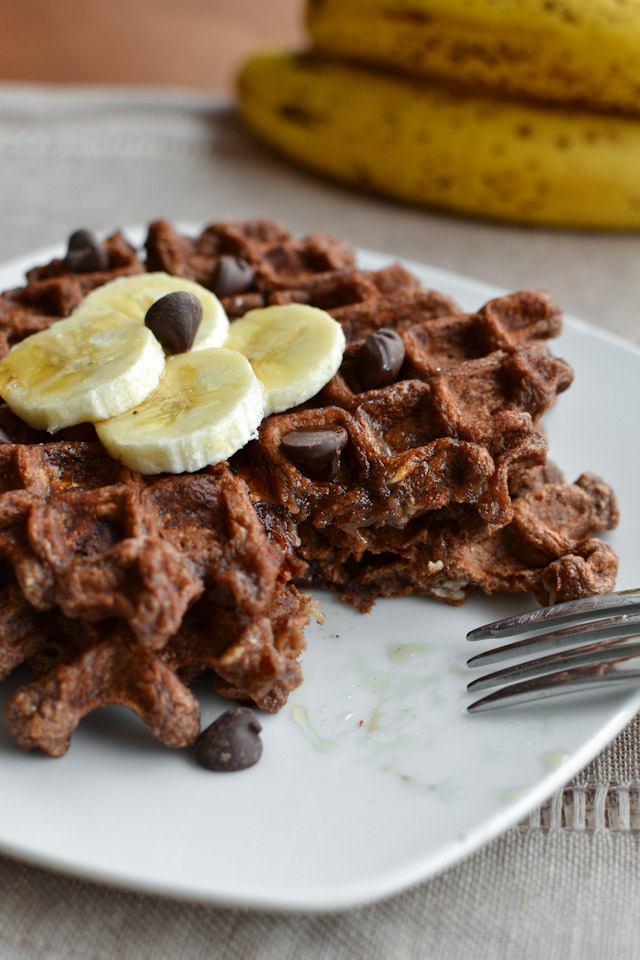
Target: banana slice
pixel 78 371
pixel 294 350
pixel 208 404
pixel 132 296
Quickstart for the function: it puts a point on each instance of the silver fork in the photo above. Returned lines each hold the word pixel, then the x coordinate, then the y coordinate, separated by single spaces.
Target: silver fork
pixel 609 622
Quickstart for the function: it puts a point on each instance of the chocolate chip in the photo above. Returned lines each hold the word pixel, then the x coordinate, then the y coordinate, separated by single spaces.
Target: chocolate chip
pixel 174 319
pixel 85 254
pixel 316 452
pixel 80 239
pixel 231 742
pixel 231 276
pixel 379 359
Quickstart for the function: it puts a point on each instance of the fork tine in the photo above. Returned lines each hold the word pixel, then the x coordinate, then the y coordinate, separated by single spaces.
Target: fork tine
pixel 580 656
pixel 574 680
pixel 612 629
pixel 624 602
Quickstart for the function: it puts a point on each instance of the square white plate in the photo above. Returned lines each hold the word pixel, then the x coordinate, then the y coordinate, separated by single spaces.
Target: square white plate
pixel 374 776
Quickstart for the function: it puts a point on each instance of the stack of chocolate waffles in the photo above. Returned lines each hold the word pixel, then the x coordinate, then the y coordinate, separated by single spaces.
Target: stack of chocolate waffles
pixel 420 468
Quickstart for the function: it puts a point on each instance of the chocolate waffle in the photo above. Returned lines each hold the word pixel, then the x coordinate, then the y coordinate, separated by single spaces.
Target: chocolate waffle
pixel 319 270
pixel 548 548
pixel 122 589
pixel 52 291
pixel 86 535
pixel 275 259
pixel 442 441
pixel 81 666
pixel 140 578
pixel 429 458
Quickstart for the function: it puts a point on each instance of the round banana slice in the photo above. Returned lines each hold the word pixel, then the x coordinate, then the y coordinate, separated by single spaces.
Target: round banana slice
pixel 76 372
pixel 207 405
pixel 294 350
pixel 132 296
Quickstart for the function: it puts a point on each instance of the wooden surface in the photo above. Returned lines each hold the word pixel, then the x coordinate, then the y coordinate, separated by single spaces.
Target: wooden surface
pixel 188 43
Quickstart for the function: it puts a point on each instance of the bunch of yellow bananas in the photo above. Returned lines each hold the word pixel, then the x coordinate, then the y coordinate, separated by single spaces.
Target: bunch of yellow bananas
pixel 522 110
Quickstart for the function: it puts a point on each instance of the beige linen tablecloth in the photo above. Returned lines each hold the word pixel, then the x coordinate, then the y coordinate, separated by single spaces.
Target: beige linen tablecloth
pixel 566 884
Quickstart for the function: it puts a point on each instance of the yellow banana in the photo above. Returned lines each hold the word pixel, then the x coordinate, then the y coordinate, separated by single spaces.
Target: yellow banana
pixel 426 143
pixel 559 50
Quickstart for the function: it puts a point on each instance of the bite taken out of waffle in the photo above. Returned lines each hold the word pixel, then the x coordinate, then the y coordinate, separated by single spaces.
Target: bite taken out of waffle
pixel 419 468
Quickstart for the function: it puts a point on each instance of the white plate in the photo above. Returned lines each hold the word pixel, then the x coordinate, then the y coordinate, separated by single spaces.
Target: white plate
pixel 374 776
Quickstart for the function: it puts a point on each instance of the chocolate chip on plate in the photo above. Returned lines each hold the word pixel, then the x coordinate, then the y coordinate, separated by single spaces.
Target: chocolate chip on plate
pixel 231 275
pixel 379 359
pixel 85 254
pixel 232 742
pixel 316 452
pixel 174 319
